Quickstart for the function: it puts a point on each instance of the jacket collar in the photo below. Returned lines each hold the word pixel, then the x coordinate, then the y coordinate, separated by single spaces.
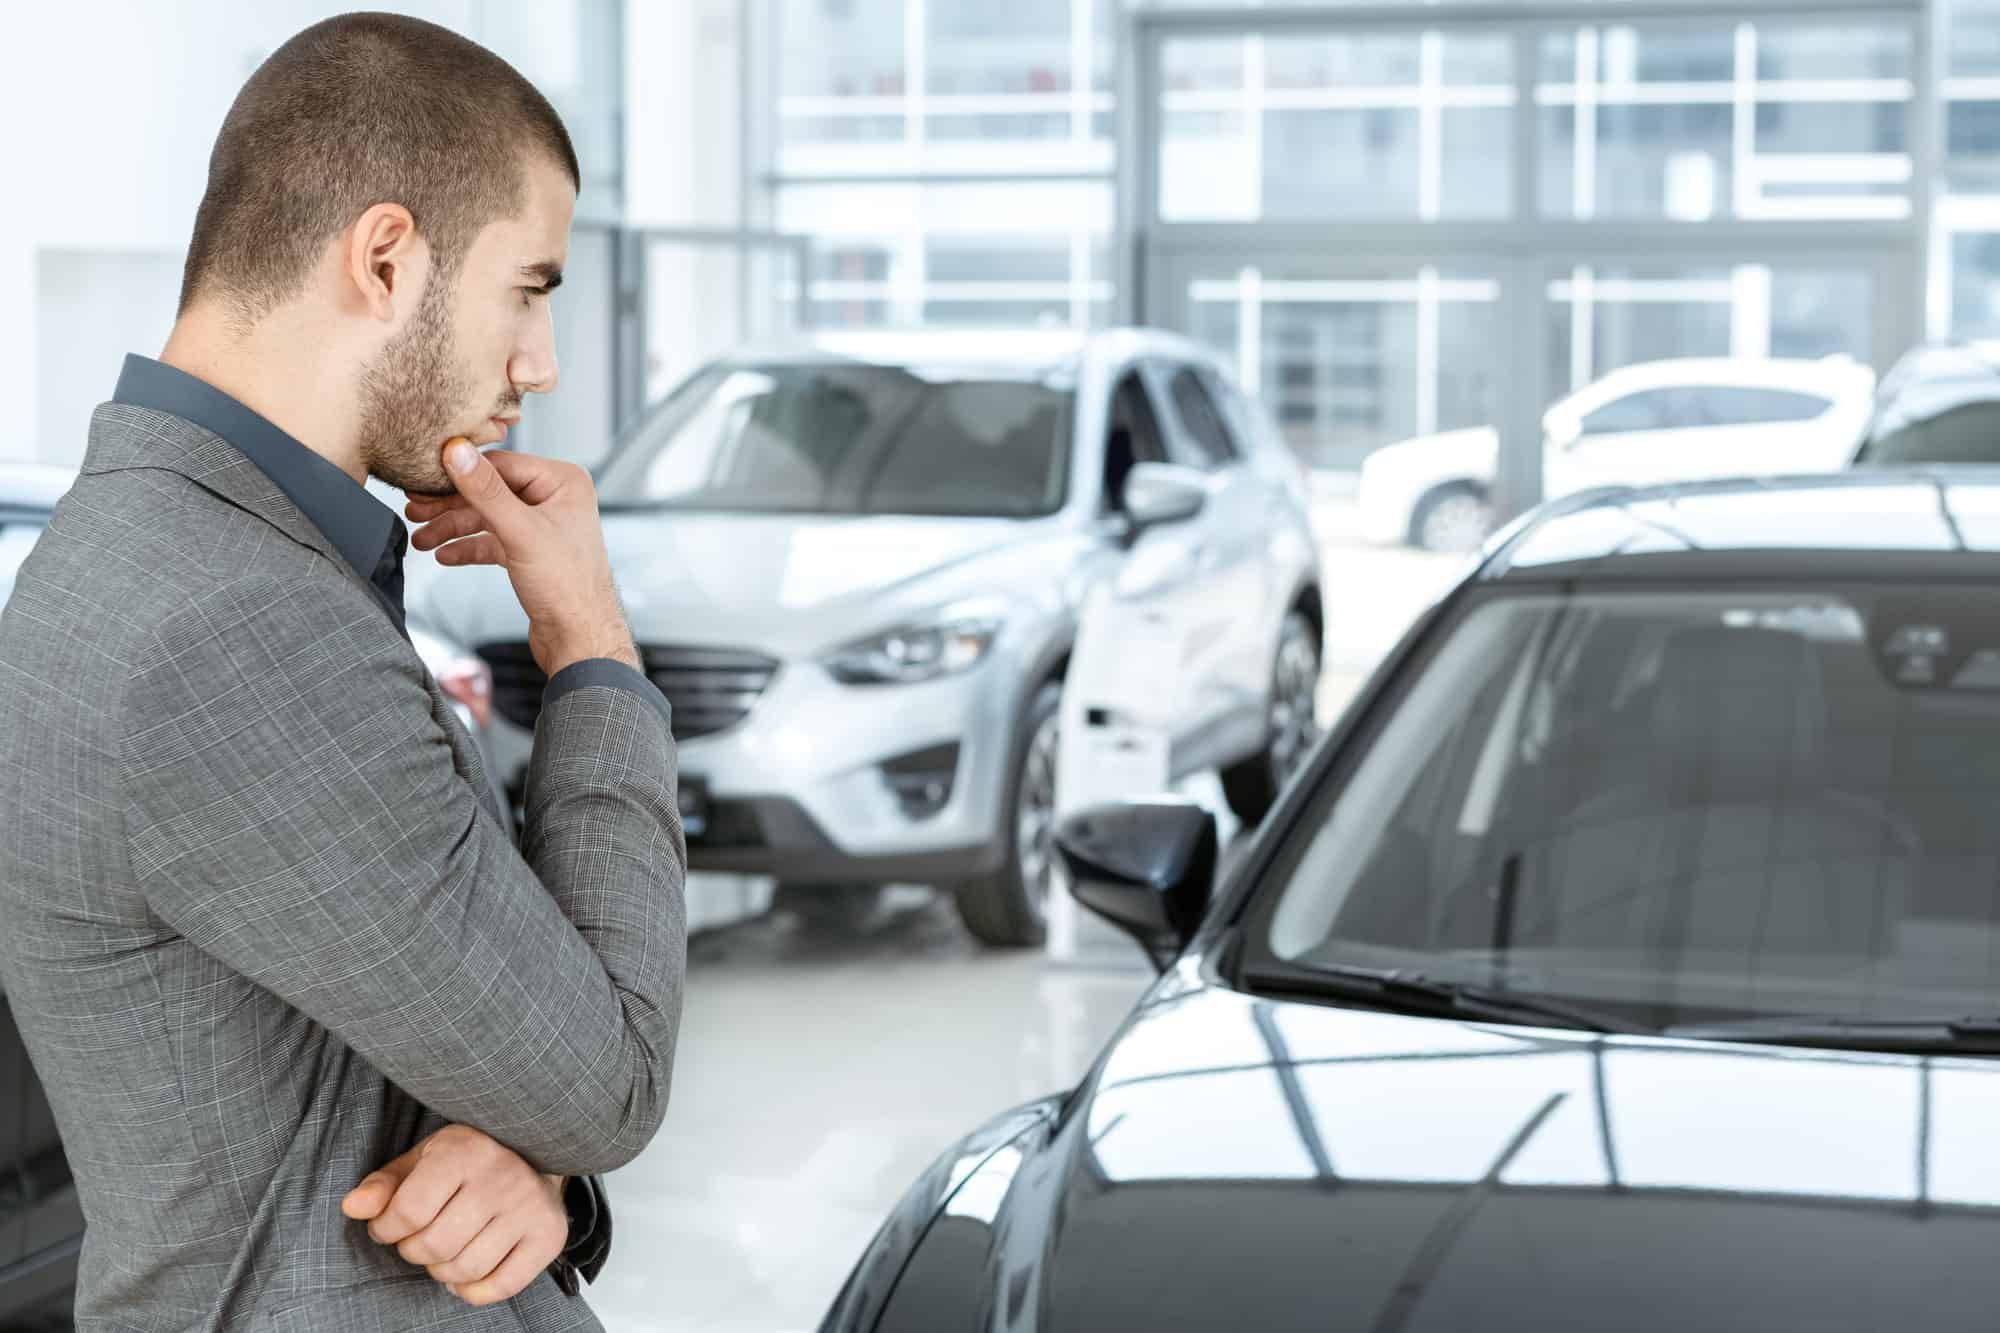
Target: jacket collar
pixel 123 437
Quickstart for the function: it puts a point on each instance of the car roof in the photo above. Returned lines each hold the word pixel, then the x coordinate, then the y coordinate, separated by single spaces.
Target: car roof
pixel 1934 378
pixel 33 485
pixel 1013 352
pixel 1826 373
pixel 1940 522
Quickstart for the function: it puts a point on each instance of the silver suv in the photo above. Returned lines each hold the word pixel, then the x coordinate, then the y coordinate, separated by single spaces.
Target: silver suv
pixel 857 579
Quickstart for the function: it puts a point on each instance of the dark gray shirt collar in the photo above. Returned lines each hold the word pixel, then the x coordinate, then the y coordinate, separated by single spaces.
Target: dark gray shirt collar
pixel 363 529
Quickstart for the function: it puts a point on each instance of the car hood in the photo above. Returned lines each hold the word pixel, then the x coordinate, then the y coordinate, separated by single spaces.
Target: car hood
pixel 1242 1163
pixel 775 582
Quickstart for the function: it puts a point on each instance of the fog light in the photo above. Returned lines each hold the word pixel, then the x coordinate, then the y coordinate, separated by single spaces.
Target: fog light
pixel 921 780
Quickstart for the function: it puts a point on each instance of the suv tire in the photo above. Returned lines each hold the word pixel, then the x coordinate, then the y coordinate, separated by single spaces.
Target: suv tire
pixel 1008 909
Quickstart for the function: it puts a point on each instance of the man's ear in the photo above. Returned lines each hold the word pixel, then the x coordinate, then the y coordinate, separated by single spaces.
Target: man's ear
pixel 385 261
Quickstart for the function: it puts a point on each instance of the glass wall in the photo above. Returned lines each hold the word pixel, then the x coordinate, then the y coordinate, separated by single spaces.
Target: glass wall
pixel 950 158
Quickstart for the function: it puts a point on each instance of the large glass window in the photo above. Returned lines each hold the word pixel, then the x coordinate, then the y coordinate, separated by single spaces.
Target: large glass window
pixel 878 98
pixel 1602 317
pixel 1348 363
pixel 1264 128
pixel 1746 120
pixel 969 253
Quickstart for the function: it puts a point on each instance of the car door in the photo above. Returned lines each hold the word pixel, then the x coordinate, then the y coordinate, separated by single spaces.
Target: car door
pixel 1229 666
pixel 1154 605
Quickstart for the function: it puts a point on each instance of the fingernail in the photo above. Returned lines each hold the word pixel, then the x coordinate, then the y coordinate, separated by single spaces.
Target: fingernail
pixel 461 456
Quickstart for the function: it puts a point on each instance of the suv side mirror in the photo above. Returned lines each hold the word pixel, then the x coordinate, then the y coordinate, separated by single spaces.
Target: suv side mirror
pixel 1147 867
pixel 1158 493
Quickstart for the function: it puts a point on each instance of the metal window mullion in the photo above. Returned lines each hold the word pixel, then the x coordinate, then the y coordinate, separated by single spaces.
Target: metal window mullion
pixel 1082 53
pixel 1931 41
pixel 1430 125
pixel 915 75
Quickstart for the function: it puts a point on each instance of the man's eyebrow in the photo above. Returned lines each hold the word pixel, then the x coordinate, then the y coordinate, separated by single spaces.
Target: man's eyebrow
pixel 548 270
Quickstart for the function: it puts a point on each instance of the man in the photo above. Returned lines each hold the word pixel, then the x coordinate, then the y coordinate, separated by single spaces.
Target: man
pixel 327 1053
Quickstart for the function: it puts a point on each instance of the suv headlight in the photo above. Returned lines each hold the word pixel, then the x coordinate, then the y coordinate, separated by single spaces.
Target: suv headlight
pixel 956 640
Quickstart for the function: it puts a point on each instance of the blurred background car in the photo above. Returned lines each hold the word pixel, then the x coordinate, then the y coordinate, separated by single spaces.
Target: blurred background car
pixel 857 582
pixel 1939 404
pixel 1681 419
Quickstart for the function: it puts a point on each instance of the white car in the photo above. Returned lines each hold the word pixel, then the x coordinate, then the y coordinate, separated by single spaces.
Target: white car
pixel 1689 419
pixel 858 579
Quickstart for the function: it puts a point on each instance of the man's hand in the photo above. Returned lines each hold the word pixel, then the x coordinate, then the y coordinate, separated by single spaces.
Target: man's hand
pixel 473 1213
pixel 537 519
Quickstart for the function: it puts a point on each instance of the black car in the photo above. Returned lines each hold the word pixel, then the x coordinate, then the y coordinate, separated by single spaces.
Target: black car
pixel 1938 405
pixel 1627 958
pixel 41 1224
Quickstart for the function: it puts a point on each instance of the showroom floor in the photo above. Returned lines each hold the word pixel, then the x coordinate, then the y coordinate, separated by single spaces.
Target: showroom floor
pixel 821 1069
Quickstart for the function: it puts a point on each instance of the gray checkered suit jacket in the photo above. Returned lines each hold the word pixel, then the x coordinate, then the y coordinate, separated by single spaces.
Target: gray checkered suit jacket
pixel 260 929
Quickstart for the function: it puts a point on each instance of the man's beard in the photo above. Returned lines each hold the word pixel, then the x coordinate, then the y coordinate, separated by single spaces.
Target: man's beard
pixel 410 397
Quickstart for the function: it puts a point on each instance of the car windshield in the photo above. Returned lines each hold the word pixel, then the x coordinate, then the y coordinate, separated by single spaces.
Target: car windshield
pixel 850 438
pixel 1675 806
pixel 1966 433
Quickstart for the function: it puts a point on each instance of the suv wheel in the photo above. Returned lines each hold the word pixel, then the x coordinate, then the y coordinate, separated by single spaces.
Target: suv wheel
pixel 1009 909
pixel 1453 517
pixel 1252 785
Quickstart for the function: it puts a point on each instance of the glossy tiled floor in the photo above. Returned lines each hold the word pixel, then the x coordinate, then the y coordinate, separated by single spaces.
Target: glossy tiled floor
pixel 819 1071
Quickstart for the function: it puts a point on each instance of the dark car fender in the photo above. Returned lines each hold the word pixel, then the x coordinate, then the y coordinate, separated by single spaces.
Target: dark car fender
pixel 866 1293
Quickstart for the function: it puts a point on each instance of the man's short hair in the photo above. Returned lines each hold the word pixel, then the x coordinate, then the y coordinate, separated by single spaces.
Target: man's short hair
pixel 360 110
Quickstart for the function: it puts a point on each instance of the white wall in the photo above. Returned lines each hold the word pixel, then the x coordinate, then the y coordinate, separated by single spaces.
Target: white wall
pixel 116 104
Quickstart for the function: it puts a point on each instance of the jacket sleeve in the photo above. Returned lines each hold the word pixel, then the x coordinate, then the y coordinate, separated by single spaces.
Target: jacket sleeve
pixel 293 809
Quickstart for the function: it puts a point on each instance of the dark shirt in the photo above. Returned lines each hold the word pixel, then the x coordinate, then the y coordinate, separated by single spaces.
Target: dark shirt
pixel 365 531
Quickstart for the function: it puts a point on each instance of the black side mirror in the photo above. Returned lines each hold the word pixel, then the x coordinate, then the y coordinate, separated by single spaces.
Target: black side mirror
pixel 1147 867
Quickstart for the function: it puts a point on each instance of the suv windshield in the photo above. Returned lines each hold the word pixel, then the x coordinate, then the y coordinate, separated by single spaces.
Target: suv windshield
pixel 1676 807
pixel 849 438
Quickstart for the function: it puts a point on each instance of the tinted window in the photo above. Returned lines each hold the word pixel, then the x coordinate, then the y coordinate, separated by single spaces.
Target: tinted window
pixel 1201 423
pixel 1647 409
pixel 845 438
pixel 1740 405
pixel 1965 434
pixel 1132 437
pixel 1693 804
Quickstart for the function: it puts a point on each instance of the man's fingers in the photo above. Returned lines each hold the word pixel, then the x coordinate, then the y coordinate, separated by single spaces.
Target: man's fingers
pixel 484 549
pixel 449 1232
pixel 481 1255
pixel 483 487
pixel 372 1195
pixel 534 478
pixel 521 1266
pixel 451 524
pixel 419 1200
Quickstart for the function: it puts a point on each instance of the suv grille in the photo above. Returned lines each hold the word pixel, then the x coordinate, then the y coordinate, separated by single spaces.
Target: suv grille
pixel 711 689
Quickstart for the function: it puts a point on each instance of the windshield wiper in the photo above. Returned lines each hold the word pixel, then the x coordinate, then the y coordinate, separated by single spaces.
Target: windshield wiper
pixel 1973 1033
pixel 1394 988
